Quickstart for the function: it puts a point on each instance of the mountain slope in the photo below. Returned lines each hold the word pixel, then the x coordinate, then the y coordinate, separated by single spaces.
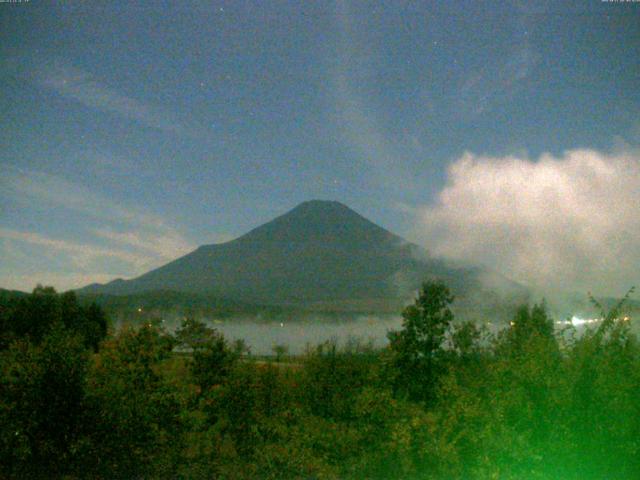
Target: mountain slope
pixel 318 252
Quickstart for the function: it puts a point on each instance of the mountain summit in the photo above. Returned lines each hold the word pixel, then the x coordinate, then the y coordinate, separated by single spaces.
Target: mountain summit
pixel 318 221
pixel 321 252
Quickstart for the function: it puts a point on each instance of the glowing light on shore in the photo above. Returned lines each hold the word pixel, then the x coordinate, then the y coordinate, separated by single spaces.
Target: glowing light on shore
pixel 578 321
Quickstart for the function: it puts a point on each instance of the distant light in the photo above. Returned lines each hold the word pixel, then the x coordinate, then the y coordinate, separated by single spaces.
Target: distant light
pixel 576 321
pixel 281 324
pixel 140 309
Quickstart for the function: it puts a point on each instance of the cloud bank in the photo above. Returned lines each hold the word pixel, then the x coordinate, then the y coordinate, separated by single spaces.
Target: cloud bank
pixel 557 223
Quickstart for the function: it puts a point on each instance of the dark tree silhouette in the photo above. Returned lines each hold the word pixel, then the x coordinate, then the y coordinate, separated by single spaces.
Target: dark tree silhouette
pixel 418 347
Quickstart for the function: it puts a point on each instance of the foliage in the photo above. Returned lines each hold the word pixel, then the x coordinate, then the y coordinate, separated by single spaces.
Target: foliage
pixel 212 357
pixel 445 400
pixel 34 316
pixel 332 377
pixel 193 334
pixel 418 348
pixel 41 405
pixel 280 351
pixel 132 414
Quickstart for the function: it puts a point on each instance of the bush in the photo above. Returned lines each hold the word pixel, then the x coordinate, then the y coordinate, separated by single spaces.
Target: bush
pixel 132 420
pixel 41 405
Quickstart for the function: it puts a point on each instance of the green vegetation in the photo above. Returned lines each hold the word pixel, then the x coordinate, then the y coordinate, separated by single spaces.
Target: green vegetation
pixel 32 317
pixel 443 400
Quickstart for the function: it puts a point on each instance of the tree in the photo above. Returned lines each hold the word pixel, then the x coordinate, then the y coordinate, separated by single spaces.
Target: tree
pixel 94 325
pixel 280 350
pixel 33 316
pixel 530 329
pixel 212 358
pixel 240 347
pixel 132 422
pixel 194 334
pixel 42 391
pixel 418 350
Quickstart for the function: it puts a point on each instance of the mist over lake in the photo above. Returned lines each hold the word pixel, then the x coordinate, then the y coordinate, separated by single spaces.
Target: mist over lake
pixel 296 335
pixel 262 336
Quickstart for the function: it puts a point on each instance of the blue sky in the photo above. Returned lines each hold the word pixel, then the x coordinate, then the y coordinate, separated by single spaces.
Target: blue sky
pixel 132 132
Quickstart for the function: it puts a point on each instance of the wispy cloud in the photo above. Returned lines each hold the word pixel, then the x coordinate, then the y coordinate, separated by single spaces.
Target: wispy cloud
pixel 480 90
pixel 166 245
pixel 499 81
pixel 360 125
pixel 62 281
pixel 110 237
pixel 54 190
pixel 126 254
pixel 81 254
pixel 83 87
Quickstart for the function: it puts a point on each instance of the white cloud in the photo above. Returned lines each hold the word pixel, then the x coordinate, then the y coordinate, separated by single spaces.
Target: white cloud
pixel 570 222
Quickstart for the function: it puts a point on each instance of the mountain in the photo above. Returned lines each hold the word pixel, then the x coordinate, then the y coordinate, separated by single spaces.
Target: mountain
pixel 321 254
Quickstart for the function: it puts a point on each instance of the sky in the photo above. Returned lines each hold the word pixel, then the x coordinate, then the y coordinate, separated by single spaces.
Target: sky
pixel 505 134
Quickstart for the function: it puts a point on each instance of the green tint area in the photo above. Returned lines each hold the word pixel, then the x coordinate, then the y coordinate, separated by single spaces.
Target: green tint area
pixel 445 400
